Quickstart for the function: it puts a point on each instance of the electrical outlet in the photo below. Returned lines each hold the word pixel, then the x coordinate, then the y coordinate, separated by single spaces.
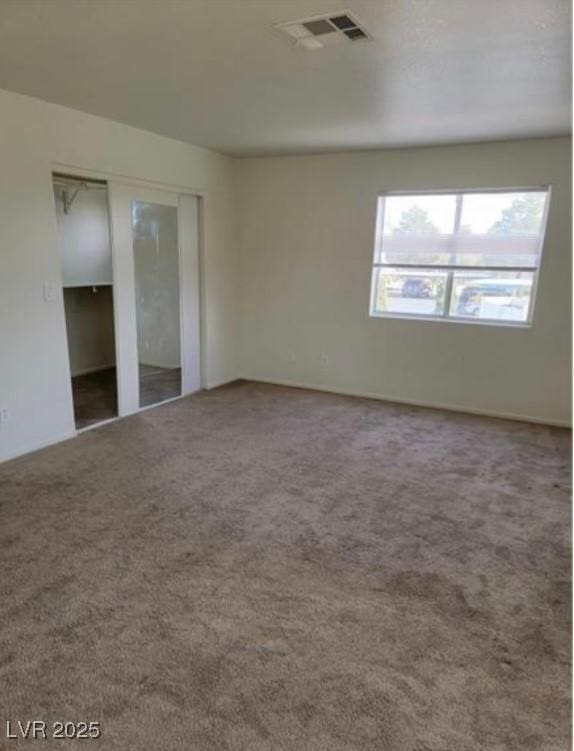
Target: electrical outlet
pixel 324 360
pixel 4 414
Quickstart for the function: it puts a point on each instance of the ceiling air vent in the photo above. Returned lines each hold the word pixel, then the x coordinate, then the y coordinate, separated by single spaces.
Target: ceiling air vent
pixel 322 31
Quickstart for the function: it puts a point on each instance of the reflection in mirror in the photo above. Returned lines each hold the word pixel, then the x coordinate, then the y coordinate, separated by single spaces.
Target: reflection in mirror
pixel 156 268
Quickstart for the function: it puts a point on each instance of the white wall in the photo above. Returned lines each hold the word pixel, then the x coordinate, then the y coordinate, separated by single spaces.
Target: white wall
pixel 90 328
pixel 36 137
pixel 306 246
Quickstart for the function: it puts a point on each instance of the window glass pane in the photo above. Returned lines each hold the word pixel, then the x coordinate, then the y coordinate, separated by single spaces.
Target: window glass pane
pixel 491 295
pixel 419 215
pixel 414 228
pixel 503 214
pixel 493 229
pixel 416 292
pixel 465 255
pixel 500 229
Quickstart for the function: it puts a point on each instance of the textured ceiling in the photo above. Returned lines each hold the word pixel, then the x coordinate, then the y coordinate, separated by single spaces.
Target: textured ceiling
pixel 215 72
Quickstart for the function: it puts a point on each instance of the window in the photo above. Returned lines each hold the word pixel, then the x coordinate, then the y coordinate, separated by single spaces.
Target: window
pixel 465 256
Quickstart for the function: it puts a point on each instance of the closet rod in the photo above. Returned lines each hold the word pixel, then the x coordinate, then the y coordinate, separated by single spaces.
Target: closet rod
pixel 75 185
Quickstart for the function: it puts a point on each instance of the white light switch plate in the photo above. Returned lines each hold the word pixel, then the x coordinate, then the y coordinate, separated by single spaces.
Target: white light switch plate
pixel 49 291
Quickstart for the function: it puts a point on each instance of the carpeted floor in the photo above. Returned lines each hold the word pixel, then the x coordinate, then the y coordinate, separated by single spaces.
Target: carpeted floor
pixel 158 384
pixel 95 397
pixel 259 568
pixel 95 394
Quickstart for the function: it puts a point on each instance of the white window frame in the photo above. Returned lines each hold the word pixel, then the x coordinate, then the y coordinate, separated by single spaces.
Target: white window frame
pixel 451 269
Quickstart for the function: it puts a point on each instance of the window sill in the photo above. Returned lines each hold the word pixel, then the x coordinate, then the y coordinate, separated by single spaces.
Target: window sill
pixel 452 319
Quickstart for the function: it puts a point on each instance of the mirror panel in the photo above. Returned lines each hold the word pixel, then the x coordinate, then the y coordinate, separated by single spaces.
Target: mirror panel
pixel 156 270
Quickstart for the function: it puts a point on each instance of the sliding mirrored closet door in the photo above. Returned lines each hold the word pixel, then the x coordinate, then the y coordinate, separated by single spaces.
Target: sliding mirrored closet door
pixel 156 275
pixel 156 253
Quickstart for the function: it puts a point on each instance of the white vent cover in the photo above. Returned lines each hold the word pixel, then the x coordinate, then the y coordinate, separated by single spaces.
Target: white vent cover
pixel 321 31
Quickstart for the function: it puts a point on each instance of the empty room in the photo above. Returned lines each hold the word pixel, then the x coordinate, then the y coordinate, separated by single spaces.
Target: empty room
pixel 285 375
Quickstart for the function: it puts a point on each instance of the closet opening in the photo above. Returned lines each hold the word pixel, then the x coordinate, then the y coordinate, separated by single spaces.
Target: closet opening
pixel 83 223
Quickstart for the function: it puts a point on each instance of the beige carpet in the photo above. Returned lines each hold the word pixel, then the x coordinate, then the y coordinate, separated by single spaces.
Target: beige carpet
pixel 95 397
pixel 95 394
pixel 262 568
